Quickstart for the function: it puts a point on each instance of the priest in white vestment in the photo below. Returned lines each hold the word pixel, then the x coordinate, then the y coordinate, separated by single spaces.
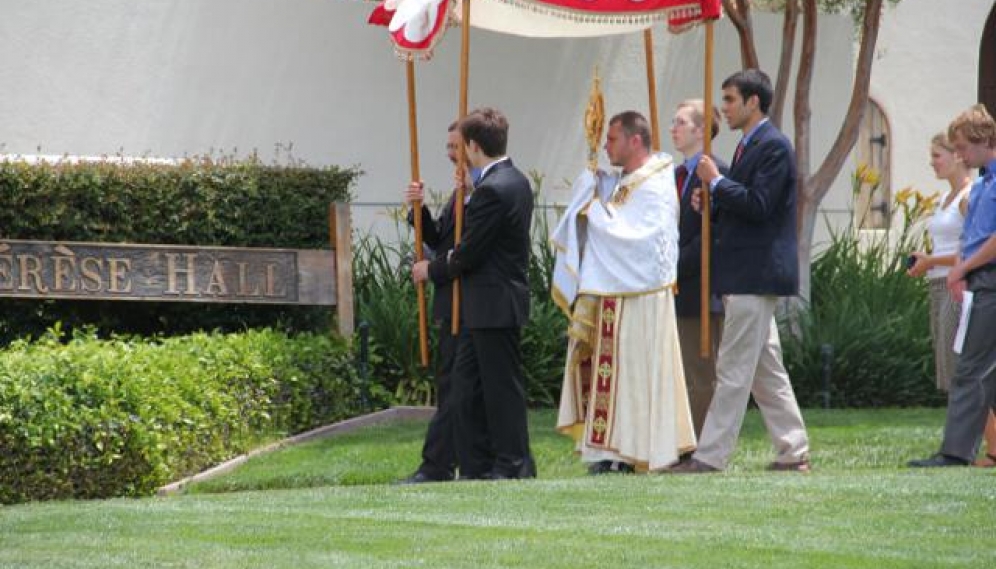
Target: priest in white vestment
pixel 623 398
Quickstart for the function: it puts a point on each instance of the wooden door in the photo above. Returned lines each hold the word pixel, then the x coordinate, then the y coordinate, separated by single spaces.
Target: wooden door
pixel 873 209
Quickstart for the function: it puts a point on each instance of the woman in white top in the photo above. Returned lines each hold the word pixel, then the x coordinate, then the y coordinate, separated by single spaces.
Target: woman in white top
pixel 945 229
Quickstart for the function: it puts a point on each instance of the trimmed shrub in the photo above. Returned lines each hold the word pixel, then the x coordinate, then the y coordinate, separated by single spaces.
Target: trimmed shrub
pixel 195 202
pixel 97 418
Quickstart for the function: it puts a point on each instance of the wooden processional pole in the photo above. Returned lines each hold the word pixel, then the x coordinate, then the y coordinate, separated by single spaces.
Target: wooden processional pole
pixel 423 323
pixel 462 162
pixel 705 344
pixel 655 125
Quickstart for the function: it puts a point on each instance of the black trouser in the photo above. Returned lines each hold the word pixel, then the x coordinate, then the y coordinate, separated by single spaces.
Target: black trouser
pixel 492 434
pixel 439 448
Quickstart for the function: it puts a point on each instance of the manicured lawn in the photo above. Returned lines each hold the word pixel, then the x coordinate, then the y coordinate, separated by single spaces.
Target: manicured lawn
pixel 859 508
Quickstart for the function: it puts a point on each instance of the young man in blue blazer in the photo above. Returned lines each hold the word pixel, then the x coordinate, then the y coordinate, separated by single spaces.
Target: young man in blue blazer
pixel 755 262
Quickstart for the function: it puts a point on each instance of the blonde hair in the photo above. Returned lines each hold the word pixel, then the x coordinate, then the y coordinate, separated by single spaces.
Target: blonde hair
pixel 976 125
pixel 941 139
pixel 698 114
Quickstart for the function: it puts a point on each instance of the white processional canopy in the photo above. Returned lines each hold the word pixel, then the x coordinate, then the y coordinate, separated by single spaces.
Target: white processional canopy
pixel 416 26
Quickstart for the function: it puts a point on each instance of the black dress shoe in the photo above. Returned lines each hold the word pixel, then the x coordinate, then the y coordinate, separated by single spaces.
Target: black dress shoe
pixel 472 477
pixel 421 478
pixel 938 460
pixel 610 467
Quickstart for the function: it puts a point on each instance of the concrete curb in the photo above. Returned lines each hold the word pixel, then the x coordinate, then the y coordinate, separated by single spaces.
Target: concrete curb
pixel 342 427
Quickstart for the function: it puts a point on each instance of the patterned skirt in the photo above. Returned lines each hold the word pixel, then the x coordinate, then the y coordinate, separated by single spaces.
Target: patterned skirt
pixel 944 315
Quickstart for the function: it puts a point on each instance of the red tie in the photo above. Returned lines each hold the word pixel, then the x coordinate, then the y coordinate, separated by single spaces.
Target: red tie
pixel 739 152
pixel 680 175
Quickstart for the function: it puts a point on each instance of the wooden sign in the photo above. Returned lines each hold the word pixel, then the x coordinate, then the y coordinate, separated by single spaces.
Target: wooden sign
pixel 39 269
pixel 174 273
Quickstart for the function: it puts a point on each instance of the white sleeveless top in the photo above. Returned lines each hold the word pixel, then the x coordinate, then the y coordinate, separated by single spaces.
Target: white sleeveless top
pixel 945 230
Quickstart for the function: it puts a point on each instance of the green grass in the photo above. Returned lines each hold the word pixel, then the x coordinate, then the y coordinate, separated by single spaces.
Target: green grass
pixel 859 508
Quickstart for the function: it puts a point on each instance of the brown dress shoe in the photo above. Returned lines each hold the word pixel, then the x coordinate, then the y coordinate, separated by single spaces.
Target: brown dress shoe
pixel 691 466
pixel 800 466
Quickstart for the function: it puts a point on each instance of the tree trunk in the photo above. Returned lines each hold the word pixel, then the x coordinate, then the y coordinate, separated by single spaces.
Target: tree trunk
pixel 801 117
pixel 812 189
pixel 738 11
pixel 785 61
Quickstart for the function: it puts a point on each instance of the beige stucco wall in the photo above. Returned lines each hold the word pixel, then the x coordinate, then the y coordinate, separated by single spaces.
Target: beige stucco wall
pixel 169 78
pixel 926 72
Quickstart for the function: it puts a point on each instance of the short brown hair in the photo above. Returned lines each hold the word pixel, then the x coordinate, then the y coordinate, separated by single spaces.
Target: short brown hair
pixel 976 125
pixel 633 124
pixel 487 127
pixel 698 114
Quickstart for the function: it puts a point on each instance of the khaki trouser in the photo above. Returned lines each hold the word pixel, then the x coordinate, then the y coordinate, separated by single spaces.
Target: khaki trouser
pixel 750 363
pixel 700 373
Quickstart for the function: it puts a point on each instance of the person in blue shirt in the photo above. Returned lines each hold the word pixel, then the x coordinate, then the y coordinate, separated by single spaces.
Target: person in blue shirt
pixel 973 388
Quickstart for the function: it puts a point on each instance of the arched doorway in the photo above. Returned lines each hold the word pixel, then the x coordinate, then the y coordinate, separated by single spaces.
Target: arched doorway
pixel 987 64
pixel 872 210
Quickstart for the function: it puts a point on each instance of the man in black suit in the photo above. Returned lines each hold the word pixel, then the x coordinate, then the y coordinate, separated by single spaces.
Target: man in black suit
pixel 688 136
pixel 755 262
pixel 492 264
pixel 438 450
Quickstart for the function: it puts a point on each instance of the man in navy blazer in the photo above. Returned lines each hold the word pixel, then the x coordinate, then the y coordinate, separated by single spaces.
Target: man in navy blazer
pixel 688 136
pixel 755 262
pixel 492 263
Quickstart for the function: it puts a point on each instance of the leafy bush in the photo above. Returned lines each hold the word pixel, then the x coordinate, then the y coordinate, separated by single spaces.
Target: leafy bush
pixel 93 418
pixel 873 317
pixel 195 202
pixel 544 338
pixel 385 299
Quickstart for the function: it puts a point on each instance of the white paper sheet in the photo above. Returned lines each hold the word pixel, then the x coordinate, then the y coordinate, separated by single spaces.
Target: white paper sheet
pixel 966 311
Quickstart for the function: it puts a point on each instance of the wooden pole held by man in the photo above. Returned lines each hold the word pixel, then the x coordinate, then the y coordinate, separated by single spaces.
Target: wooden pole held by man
pixel 655 123
pixel 423 323
pixel 462 163
pixel 705 342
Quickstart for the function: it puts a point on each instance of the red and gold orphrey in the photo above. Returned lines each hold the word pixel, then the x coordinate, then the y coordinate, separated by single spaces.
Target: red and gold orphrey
pixel 602 398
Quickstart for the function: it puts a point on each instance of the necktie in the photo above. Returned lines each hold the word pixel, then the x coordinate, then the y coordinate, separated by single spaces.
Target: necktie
pixel 738 153
pixel 680 176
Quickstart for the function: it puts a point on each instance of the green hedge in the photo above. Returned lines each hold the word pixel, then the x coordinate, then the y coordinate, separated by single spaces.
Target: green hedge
pixel 195 202
pixel 96 418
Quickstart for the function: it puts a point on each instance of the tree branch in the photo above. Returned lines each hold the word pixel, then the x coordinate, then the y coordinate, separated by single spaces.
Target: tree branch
pixel 785 61
pixel 740 16
pixel 803 83
pixel 731 12
pixel 819 184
